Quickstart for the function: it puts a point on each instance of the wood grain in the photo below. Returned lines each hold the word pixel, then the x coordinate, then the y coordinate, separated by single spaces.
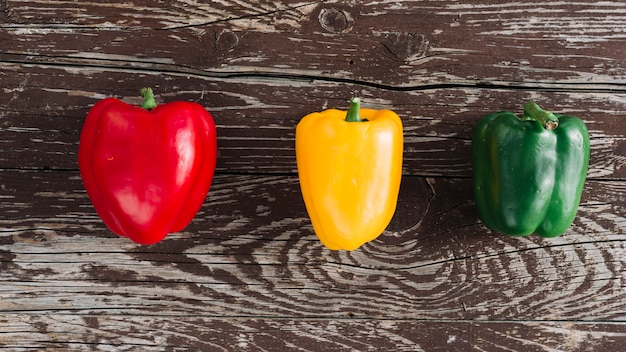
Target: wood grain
pixel 527 44
pixel 44 122
pixel 262 259
pixel 244 334
pixel 248 273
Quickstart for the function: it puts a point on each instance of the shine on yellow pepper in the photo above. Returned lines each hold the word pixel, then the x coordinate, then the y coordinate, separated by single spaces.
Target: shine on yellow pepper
pixel 350 167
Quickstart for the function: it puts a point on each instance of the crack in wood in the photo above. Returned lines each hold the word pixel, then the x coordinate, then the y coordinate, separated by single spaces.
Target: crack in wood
pixel 174 70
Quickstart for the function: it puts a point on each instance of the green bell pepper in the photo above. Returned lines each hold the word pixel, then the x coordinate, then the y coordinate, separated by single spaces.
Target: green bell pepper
pixel 529 172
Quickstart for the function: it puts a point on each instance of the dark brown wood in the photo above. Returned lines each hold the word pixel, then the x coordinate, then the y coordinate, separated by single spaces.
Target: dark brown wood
pixel 252 334
pixel 248 273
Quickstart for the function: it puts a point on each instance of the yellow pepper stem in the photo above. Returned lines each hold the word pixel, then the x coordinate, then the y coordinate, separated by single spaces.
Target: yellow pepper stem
pixel 353 114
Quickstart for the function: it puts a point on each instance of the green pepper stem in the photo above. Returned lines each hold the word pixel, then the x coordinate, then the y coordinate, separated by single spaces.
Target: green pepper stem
pixel 148 98
pixel 532 111
pixel 353 114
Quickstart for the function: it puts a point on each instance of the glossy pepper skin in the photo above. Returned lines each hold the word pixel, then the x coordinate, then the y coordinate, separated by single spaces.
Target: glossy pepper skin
pixel 529 172
pixel 350 171
pixel 147 170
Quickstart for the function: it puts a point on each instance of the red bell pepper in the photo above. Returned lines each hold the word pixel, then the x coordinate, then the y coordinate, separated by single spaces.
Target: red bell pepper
pixel 148 169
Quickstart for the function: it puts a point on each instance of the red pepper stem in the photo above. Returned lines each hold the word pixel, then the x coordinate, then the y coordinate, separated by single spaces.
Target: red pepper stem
pixel 353 114
pixel 532 111
pixel 148 98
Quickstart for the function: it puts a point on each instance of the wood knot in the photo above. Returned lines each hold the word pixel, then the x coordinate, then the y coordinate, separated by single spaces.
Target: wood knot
pixel 406 46
pixel 226 40
pixel 336 21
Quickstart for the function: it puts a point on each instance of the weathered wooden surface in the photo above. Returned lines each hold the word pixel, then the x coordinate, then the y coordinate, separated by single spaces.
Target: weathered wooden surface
pixel 249 273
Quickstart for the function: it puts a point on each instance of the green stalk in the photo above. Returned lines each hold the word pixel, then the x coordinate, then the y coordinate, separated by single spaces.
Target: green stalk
pixel 148 98
pixel 532 111
pixel 353 114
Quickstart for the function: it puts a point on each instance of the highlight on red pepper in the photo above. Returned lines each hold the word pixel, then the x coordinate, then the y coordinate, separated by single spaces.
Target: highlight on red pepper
pixel 147 169
pixel 350 167
pixel 529 171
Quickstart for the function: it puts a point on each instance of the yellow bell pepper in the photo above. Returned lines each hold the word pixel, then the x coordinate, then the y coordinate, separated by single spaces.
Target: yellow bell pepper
pixel 350 167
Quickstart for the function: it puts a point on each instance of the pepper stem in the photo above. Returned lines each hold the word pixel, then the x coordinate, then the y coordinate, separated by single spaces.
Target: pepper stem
pixel 532 111
pixel 353 114
pixel 148 98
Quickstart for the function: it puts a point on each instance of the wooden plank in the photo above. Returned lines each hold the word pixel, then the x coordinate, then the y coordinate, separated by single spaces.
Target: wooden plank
pixel 412 44
pixel 45 106
pixel 57 60
pixel 251 252
pixel 160 333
